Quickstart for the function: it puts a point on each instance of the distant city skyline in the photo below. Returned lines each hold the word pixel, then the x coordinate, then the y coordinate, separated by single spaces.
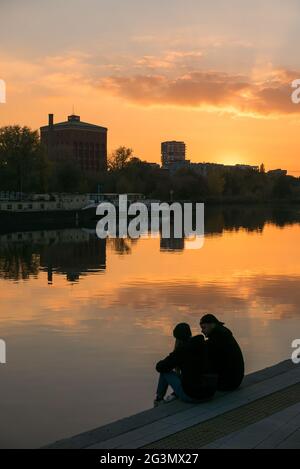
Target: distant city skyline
pixel 217 76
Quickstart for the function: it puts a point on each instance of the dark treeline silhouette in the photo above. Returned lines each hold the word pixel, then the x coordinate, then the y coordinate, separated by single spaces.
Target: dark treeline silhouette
pixel 24 167
pixel 128 174
pixel 221 185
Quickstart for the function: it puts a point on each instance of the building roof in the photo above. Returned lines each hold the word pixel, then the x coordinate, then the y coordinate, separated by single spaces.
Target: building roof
pixel 74 122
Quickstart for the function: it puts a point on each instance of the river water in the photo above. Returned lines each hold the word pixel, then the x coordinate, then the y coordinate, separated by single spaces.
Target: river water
pixel 85 320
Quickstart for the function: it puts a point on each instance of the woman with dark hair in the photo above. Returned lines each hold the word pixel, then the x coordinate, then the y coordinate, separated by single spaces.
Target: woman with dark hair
pixel 190 382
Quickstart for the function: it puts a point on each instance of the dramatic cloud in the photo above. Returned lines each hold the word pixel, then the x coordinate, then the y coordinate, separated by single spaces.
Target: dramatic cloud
pixel 171 78
pixel 210 91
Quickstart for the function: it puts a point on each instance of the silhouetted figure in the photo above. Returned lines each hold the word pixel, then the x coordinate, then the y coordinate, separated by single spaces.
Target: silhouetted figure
pixel 190 381
pixel 224 353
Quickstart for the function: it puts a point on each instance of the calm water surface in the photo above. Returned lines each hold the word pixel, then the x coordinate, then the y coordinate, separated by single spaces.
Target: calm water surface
pixel 86 320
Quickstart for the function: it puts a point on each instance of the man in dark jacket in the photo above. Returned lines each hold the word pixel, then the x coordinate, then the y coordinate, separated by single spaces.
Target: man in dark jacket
pixel 224 353
pixel 192 384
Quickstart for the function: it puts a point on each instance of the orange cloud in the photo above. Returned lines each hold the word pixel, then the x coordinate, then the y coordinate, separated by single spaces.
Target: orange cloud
pixel 47 76
pixel 172 78
pixel 171 59
pixel 210 90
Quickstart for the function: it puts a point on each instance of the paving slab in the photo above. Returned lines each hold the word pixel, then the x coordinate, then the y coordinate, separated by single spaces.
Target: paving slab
pixel 159 423
pixel 278 431
pixel 239 427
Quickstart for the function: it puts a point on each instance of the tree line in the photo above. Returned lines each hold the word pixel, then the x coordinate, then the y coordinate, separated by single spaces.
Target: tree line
pixel 24 167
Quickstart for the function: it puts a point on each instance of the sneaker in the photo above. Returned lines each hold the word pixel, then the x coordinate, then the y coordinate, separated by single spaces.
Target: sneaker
pixel 158 402
pixel 171 398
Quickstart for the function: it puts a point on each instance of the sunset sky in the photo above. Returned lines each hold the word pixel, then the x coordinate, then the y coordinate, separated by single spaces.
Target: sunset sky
pixel 215 74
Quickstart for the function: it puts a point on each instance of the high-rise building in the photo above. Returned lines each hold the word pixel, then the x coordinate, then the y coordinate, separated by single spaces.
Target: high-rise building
pixel 172 152
pixel 76 142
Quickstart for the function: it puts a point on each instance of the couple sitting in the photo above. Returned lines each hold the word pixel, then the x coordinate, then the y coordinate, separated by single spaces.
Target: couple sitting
pixel 197 368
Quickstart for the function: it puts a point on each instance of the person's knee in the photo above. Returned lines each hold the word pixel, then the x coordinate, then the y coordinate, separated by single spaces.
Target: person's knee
pixel 168 375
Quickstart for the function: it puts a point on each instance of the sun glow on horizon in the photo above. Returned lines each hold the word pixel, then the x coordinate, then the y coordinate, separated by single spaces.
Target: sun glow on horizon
pixel 232 160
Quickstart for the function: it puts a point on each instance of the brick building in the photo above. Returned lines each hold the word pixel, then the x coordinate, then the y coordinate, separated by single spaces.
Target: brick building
pixel 76 142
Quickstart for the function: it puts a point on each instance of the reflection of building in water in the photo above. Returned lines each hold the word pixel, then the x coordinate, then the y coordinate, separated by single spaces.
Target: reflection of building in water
pixel 72 252
pixel 171 244
pixel 122 246
pixel 74 259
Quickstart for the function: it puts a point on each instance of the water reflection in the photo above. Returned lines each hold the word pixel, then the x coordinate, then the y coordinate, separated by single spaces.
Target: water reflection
pixel 172 244
pixel 75 252
pixel 122 246
pixel 252 218
pixel 70 252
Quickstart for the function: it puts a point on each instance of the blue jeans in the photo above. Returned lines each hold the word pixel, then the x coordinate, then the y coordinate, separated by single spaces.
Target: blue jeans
pixel 174 380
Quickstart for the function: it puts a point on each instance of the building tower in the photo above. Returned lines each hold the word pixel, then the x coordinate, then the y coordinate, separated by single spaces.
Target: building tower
pixel 76 142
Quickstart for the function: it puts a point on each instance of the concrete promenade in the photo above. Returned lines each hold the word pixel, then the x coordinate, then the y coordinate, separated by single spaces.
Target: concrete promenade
pixel 263 413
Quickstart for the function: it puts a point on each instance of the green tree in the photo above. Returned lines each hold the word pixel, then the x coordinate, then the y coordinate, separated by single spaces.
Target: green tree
pixel 23 165
pixel 283 186
pixel 67 177
pixel 215 183
pixel 119 158
pixel 187 184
